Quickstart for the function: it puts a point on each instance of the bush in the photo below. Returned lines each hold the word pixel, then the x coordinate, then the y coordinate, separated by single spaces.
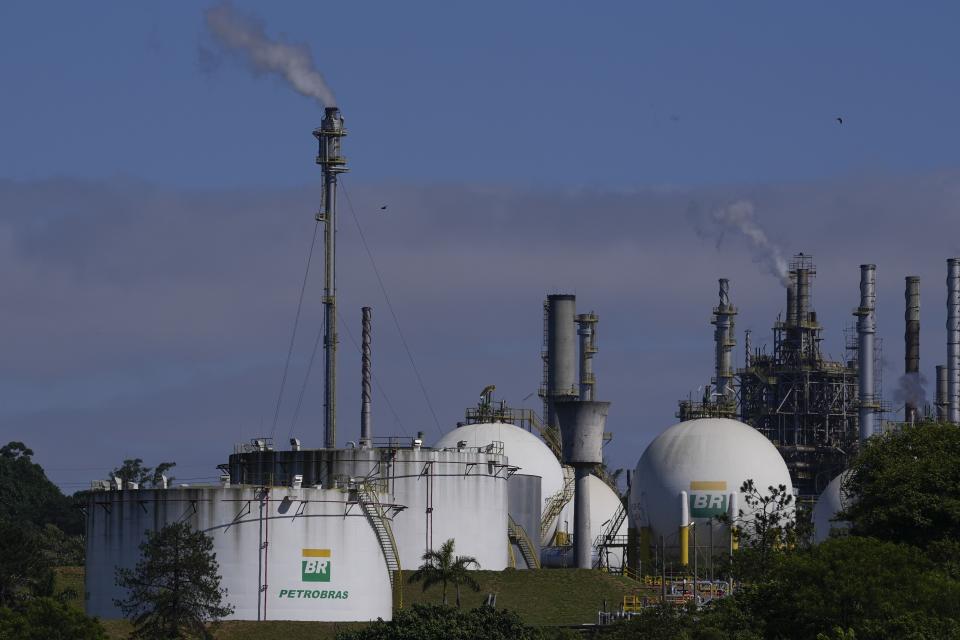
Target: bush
pixel 48 619
pixel 440 622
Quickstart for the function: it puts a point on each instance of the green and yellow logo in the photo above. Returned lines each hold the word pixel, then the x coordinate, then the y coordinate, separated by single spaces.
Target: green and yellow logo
pixel 315 565
pixel 708 498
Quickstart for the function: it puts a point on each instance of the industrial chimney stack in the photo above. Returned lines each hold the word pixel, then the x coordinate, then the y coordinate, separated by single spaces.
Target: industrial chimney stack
pixel 911 338
pixel 953 340
pixel 560 359
pixel 332 163
pixel 724 342
pixel 366 436
pixel 587 330
pixel 866 328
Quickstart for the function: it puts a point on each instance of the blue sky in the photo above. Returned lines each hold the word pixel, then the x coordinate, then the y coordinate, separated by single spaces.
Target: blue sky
pixel 155 211
pixel 559 93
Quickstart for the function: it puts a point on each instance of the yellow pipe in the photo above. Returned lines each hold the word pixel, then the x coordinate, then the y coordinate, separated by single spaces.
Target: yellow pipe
pixel 684 546
pixel 734 539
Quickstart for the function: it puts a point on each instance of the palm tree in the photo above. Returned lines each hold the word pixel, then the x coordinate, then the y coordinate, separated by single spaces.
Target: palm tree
pixel 442 567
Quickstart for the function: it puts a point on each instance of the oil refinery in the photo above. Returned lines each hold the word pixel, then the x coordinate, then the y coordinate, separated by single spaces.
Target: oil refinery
pixel 322 534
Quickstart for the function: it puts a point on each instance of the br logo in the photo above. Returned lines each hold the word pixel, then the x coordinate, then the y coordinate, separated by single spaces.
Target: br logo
pixel 708 498
pixel 315 565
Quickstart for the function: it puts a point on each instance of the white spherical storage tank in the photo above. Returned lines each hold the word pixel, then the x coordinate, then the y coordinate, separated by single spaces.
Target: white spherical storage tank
pixel 707 460
pixel 522 449
pixel 321 558
pixel 832 501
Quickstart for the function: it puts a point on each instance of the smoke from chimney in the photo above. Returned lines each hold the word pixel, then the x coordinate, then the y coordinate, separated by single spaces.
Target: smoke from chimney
pixel 740 218
pixel 244 37
pixel 911 389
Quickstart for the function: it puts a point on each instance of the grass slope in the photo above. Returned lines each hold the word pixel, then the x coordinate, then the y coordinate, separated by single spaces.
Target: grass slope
pixel 542 598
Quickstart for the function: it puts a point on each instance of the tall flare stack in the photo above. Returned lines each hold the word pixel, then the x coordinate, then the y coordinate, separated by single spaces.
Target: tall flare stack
pixel 866 329
pixel 953 340
pixel 581 425
pixel 911 336
pixel 332 163
pixel 724 342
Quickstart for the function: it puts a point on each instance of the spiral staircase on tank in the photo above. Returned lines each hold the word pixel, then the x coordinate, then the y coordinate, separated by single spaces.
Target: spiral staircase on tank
pixel 517 535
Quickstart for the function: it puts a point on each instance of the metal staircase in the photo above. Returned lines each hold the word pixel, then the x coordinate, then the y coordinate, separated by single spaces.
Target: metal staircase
pixel 609 539
pixel 518 536
pixel 377 516
pixel 557 502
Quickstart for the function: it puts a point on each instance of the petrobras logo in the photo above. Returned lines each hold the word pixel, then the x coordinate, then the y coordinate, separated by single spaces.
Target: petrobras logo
pixel 708 498
pixel 315 565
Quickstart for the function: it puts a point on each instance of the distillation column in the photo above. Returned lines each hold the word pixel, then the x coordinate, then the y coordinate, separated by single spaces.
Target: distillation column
pixel 724 341
pixel 866 328
pixel 911 336
pixel 587 330
pixel 332 163
pixel 581 425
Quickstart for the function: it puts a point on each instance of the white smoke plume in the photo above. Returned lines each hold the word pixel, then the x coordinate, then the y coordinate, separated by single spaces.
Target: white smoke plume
pixel 740 218
pixel 911 389
pixel 245 37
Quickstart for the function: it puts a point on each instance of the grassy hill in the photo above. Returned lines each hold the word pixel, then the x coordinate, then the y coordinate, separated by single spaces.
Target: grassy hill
pixel 543 598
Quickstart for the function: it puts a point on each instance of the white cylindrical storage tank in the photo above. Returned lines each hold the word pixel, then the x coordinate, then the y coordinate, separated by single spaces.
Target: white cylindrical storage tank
pixel 832 501
pixel 522 449
pixel 321 558
pixel 709 459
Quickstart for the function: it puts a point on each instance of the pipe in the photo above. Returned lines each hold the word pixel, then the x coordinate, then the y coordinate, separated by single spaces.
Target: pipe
pixel 941 393
pixel 684 529
pixel 866 328
pixel 366 376
pixel 587 330
pixel 332 163
pixel 583 543
pixel 724 342
pixel 561 352
pixel 953 340
pixel 911 336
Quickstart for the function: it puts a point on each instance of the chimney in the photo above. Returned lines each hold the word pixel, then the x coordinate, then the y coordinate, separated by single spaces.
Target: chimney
pixel 953 340
pixel 587 330
pixel 366 375
pixel 911 338
pixel 941 393
pixel 561 353
pixel 866 328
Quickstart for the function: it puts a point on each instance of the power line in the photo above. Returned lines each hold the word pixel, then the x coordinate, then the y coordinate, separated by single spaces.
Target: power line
pixel 306 378
pixel 293 334
pixel 396 321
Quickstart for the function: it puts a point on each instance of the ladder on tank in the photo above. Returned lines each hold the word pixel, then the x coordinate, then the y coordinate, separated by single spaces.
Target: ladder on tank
pixel 377 515
pixel 609 538
pixel 557 502
pixel 518 536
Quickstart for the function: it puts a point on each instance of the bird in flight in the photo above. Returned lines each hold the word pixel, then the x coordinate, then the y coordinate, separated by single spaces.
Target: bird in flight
pixel 840 120
pixel 383 208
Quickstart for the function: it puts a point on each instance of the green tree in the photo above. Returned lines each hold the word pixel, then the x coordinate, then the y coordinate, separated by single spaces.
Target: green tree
pixel 48 619
pixel 442 567
pixel 175 588
pixel 133 470
pixel 441 622
pixel 880 590
pixel 25 570
pixel 906 486
pixel 29 498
